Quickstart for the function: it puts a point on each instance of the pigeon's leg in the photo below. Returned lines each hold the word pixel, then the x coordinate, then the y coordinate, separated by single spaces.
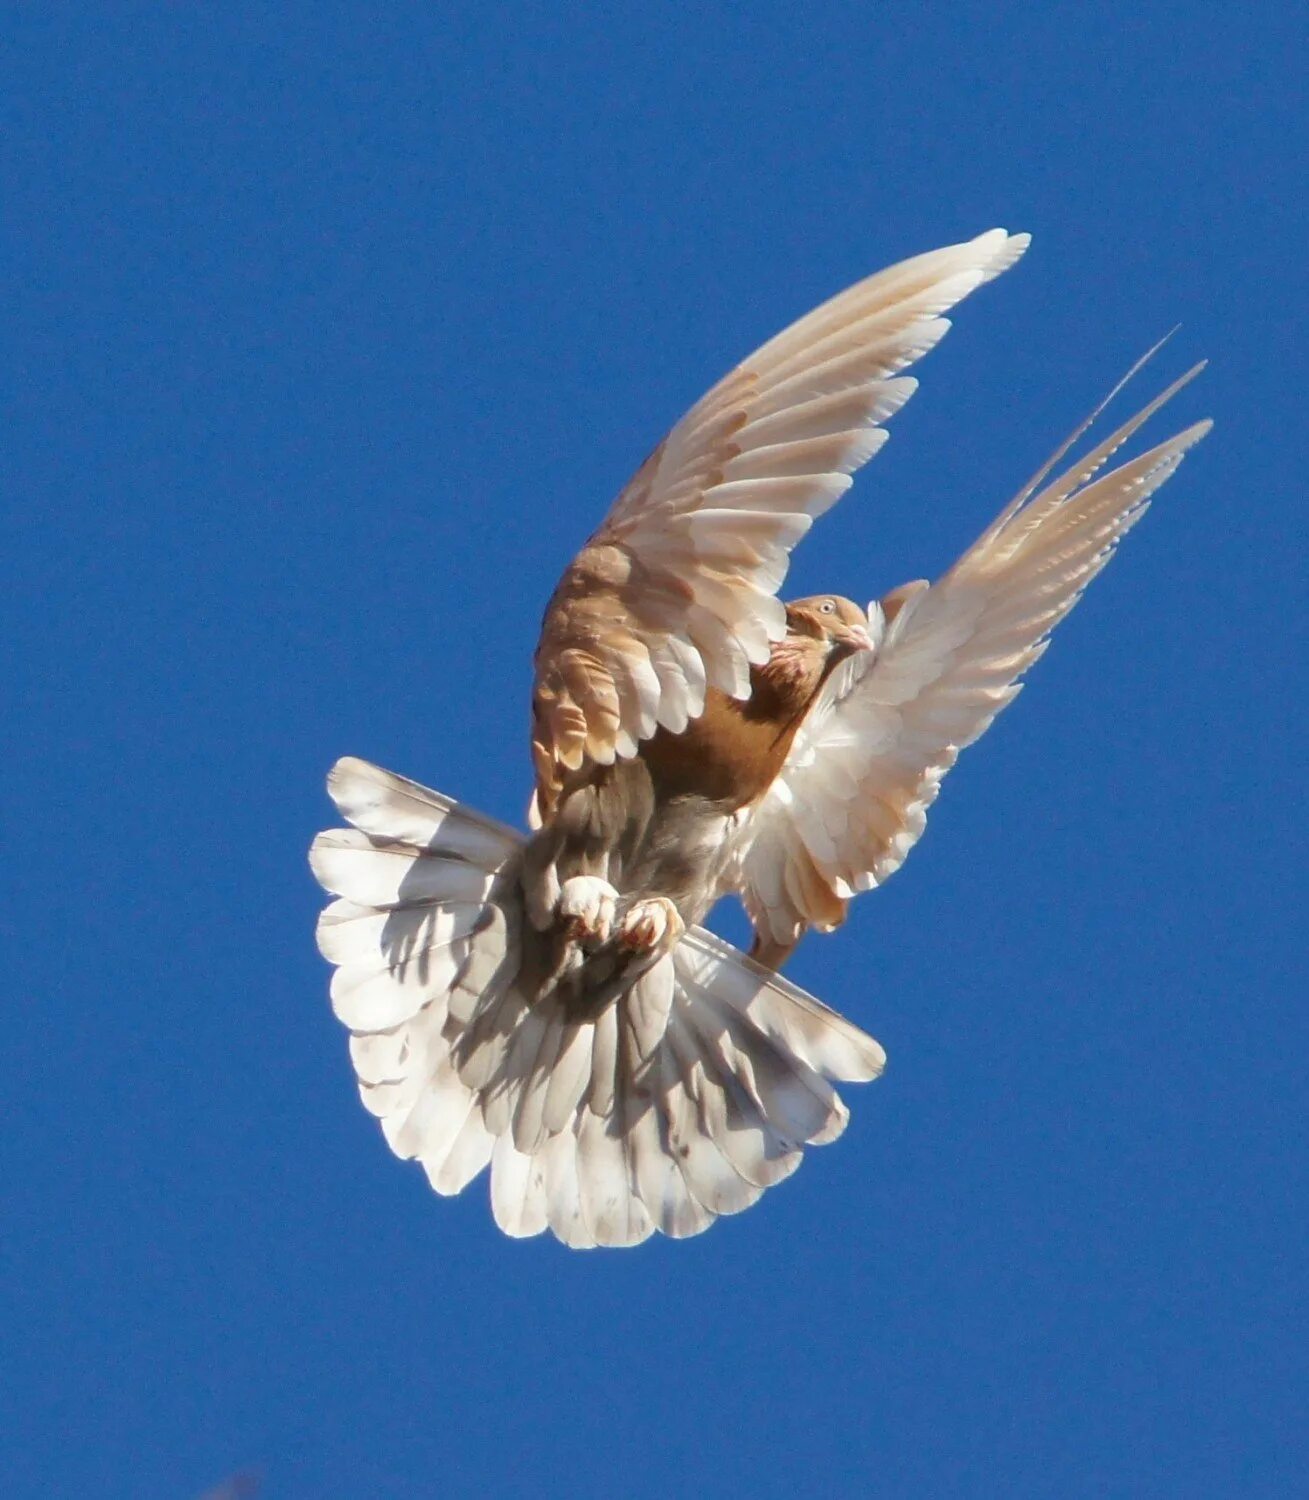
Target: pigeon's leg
pixel 578 876
pixel 650 928
pixel 583 922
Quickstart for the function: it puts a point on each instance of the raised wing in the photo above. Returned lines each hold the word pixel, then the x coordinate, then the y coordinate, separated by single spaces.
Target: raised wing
pixel 868 762
pixel 675 592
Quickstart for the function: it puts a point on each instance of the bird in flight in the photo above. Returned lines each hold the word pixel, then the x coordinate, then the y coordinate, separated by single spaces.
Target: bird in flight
pixel 548 1004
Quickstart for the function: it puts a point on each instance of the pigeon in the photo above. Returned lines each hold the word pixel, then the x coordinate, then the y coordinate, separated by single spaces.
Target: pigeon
pixel 549 1004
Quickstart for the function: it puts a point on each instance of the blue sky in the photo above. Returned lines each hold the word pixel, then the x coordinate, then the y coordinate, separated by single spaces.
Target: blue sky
pixel 327 337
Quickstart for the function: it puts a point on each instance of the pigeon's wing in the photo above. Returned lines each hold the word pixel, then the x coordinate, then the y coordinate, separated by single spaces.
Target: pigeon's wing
pixel 676 590
pixel 852 799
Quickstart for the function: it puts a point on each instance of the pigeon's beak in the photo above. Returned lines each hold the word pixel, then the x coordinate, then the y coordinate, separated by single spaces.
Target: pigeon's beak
pixel 847 641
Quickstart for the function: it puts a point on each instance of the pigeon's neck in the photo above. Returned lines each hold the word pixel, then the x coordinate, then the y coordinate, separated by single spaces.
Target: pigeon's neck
pixel 732 753
pixel 784 687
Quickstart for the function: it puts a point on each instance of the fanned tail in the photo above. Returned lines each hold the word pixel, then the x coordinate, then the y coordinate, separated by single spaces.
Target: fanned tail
pixel 683 1100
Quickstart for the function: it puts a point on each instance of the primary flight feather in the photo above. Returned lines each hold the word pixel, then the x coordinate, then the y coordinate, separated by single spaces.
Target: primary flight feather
pixel 548 1005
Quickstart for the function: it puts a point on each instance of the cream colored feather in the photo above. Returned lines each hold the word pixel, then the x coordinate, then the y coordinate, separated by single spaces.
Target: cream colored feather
pixel 868 762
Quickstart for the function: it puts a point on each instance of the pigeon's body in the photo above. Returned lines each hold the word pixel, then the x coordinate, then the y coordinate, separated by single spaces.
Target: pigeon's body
pixel 671 823
pixel 550 1005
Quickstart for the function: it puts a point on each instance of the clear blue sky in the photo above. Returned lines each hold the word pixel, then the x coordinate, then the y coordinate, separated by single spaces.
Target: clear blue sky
pixel 327 336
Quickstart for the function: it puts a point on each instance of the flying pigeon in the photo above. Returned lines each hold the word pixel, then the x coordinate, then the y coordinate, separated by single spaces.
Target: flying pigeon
pixel 548 1004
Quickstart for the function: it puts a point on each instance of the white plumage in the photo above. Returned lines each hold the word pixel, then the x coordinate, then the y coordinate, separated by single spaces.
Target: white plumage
pixel 682 1103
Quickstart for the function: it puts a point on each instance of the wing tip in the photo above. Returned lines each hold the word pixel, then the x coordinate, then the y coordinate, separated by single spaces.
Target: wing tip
pixel 315 855
pixel 874 1057
pixel 1001 250
pixel 347 767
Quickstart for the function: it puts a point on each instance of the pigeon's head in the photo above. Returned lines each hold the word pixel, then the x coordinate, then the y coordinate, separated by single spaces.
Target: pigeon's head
pixel 838 624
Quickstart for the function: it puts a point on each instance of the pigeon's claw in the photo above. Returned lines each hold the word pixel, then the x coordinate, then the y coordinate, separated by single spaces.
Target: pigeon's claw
pixel 652 926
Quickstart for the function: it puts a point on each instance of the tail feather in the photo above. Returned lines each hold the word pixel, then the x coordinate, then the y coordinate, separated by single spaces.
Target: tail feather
pixel 519 1198
pixel 364 941
pixel 723 1163
pixel 604 1063
pixel 531 1027
pixel 682 1101
pixel 569 1077
pixel 490 964
pixel 795 1020
pixel 798 1104
pixel 451 1168
pixel 369 1000
pixel 388 806
pixel 659 1176
pixel 481 1049
pixel 564 1192
pixel 751 1143
pixel 611 1205
pixel 682 1211
pixel 386 875
pixel 427 1128
pixel 540 1058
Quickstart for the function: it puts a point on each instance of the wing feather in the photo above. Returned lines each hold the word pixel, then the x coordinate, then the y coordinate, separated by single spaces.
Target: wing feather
pixel 677 588
pixel 852 799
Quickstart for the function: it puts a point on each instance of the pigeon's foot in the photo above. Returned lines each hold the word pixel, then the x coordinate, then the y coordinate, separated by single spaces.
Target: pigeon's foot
pixel 649 928
pixel 585 911
pixel 582 925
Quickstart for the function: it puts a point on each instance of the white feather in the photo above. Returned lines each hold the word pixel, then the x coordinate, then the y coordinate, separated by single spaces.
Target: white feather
pixel 683 1100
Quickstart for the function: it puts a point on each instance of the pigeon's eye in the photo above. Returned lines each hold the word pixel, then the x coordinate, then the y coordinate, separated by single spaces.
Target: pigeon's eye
pixel 827 607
